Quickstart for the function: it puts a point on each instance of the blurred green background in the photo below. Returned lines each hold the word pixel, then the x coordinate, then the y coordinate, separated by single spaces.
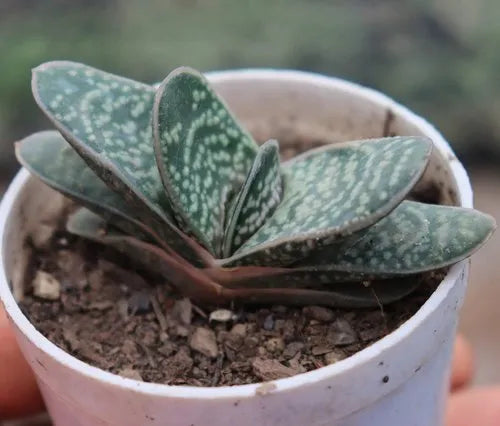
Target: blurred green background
pixel 439 57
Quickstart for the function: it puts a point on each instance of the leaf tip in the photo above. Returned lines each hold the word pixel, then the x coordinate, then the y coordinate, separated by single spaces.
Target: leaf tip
pixel 490 225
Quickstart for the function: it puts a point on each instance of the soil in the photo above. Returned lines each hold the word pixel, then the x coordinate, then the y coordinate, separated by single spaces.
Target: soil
pixel 94 304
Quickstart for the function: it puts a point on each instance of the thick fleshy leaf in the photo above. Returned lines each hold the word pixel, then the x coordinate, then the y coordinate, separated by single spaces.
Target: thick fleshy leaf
pixel 107 120
pixel 349 295
pixel 357 295
pixel 48 156
pixel 414 238
pixel 202 152
pixel 257 200
pixel 333 191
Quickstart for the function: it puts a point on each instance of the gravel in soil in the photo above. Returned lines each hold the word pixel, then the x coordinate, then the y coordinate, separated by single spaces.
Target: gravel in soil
pixel 99 308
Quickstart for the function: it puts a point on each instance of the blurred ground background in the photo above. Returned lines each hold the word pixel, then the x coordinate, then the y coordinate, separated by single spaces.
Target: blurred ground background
pixel 439 57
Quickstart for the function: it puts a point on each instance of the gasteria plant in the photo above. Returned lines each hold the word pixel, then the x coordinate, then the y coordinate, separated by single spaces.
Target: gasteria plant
pixel 168 176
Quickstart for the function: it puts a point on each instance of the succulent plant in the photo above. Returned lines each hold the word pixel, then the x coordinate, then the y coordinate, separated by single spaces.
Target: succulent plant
pixel 168 176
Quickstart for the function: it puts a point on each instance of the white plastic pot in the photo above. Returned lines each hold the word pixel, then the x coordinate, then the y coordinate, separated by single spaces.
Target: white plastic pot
pixel 400 380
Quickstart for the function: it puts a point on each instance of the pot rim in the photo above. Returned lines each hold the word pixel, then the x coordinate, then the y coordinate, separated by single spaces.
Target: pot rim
pixel 303 379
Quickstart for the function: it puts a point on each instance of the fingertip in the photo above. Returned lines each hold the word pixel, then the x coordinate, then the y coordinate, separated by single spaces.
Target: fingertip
pixel 462 368
pixel 480 406
pixel 19 394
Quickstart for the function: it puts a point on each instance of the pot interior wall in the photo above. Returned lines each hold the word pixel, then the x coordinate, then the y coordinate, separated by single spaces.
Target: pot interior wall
pixel 35 205
pixel 290 111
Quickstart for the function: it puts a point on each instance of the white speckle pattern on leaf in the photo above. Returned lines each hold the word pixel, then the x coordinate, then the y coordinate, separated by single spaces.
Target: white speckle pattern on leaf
pixel 107 120
pixel 333 191
pixel 108 115
pixel 257 200
pixel 415 237
pixel 203 154
pixel 48 156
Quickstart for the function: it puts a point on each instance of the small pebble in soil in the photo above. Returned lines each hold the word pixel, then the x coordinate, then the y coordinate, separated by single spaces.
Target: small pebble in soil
pixel 332 357
pixel 181 330
pixel 183 311
pixel 318 313
pixel 271 369
pixel 239 330
pixel 71 339
pixel 95 279
pixel 139 302
pixel 341 333
pixel 292 349
pixel 203 340
pixel 46 286
pixel 222 315
pixel 275 345
pixel 269 323
pixel 320 350
pixel 62 242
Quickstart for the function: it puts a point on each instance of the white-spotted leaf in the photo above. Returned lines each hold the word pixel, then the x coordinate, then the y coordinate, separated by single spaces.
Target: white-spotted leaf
pixel 51 158
pixel 202 152
pixel 414 238
pixel 257 200
pixel 107 120
pixel 333 191
pixel 48 156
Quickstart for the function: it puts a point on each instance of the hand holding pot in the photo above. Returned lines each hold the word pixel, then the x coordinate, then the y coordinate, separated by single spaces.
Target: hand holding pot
pixel 19 395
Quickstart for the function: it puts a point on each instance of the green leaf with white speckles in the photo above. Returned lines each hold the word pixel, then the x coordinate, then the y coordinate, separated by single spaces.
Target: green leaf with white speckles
pixel 107 120
pixel 333 191
pixel 414 238
pixel 257 200
pixel 203 154
pixel 49 157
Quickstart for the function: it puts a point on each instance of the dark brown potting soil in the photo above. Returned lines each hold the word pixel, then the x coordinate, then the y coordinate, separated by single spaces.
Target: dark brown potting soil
pixel 109 314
